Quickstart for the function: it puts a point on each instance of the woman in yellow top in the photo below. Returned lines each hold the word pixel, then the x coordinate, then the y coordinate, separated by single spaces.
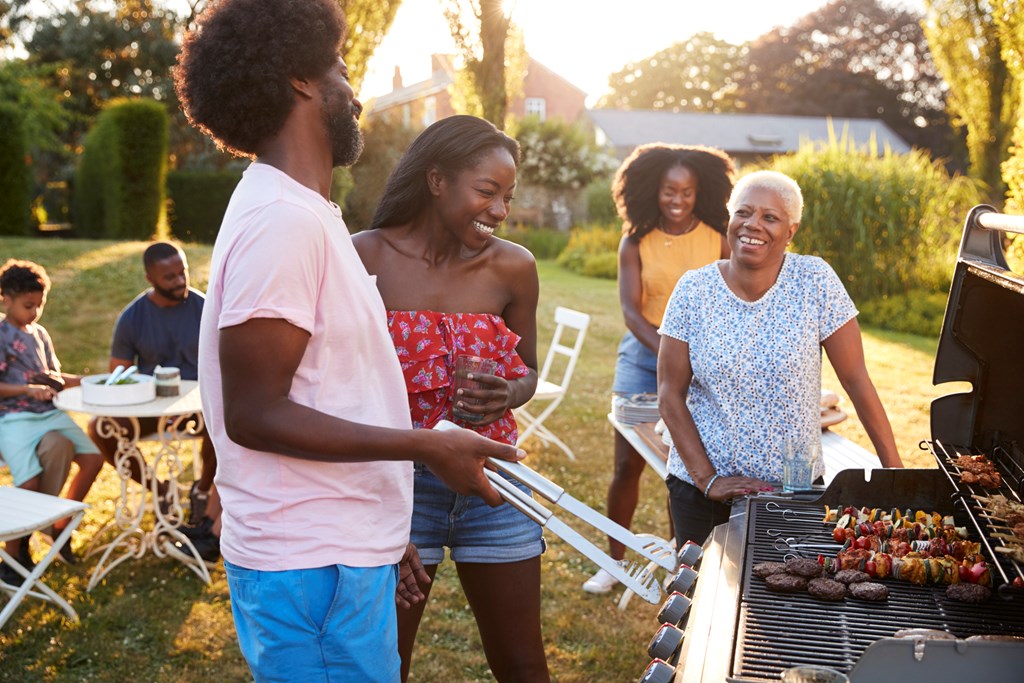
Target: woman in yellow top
pixel 672 201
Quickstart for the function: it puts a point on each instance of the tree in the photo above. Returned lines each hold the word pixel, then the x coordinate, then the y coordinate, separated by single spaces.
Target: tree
pixel 368 23
pixel 560 159
pixel 93 51
pixel 1010 20
pixel 984 97
pixel 94 55
pixel 12 14
pixel 45 120
pixel 466 100
pixel 557 155
pixel 385 142
pixel 856 58
pixel 480 28
pixel 697 74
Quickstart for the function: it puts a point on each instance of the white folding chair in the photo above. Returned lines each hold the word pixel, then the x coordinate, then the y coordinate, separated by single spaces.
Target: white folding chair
pixel 21 513
pixel 548 390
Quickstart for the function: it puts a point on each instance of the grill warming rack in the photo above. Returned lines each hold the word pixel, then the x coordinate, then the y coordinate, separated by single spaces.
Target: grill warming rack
pixel 1012 473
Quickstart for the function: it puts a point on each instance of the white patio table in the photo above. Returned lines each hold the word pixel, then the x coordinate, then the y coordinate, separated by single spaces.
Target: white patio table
pixel 182 420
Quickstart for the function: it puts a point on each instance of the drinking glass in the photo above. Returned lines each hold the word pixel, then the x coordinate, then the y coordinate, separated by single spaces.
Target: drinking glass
pixel 466 365
pixel 798 458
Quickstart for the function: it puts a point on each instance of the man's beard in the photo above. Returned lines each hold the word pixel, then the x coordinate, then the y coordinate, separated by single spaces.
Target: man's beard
pixel 170 294
pixel 346 138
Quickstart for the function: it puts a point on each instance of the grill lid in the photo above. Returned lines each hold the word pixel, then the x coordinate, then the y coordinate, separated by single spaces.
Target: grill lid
pixel 982 341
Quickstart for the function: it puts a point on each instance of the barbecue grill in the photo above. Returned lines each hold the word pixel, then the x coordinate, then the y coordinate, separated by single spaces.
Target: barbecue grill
pixel 738 631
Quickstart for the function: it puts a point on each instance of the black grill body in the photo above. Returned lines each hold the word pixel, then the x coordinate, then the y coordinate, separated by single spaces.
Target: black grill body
pixel 738 631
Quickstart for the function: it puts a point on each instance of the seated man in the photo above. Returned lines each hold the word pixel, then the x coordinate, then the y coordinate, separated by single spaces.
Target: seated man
pixel 161 327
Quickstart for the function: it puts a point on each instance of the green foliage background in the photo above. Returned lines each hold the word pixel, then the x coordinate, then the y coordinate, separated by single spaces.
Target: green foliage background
pixel 385 143
pixel 14 175
pixel 593 251
pixel 120 180
pixel 886 223
pixel 543 243
pixel 557 155
pixel 196 201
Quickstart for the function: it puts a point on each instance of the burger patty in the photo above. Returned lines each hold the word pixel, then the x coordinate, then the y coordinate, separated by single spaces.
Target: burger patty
pixel 868 590
pixel 826 589
pixel 849 576
pixel 766 569
pixel 805 567
pixel 968 592
pixel 786 583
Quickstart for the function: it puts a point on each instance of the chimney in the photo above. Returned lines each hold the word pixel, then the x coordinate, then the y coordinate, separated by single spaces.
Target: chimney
pixel 396 80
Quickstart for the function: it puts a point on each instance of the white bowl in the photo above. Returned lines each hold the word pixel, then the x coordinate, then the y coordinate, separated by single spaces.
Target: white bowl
pixel 97 393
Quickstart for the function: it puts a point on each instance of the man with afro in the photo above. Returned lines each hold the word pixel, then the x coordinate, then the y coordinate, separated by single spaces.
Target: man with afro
pixel 302 392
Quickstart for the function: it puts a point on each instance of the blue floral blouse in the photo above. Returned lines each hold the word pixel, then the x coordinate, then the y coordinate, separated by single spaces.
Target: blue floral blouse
pixel 756 364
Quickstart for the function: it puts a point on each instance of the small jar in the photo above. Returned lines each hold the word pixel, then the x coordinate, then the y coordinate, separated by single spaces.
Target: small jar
pixel 168 381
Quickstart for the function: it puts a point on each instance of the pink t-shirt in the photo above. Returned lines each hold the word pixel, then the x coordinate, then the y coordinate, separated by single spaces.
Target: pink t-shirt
pixel 284 252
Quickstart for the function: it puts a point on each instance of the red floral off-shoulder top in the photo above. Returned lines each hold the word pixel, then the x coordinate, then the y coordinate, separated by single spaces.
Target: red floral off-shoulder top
pixel 427 343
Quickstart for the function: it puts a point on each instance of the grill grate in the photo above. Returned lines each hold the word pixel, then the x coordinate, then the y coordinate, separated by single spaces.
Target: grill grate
pixel 1013 476
pixel 777 631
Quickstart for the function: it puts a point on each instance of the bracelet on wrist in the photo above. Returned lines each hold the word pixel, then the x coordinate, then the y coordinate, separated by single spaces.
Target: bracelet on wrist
pixel 707 489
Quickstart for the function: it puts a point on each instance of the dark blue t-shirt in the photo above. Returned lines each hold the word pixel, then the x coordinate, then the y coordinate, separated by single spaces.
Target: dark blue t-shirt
pixel 151 335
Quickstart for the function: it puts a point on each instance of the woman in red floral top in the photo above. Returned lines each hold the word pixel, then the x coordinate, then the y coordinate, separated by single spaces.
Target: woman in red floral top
pixel 451 287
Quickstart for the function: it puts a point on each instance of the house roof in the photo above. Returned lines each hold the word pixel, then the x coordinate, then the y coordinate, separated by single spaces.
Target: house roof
pixel 439 81
pixel 736 133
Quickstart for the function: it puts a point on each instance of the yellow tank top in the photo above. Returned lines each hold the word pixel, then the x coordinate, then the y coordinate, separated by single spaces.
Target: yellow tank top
pixel 664 259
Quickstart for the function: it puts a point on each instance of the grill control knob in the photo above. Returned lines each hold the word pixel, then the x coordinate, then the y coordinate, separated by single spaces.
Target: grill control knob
pixel 665 642
pixel 683 580
pixel 658 672
pixel 690 553
pixel 674 609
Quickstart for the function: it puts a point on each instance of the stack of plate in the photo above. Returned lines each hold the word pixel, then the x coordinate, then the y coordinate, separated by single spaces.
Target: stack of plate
pixel 635 409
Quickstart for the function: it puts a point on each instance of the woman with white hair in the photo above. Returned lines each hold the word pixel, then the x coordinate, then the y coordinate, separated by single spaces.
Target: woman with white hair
pixel 739 366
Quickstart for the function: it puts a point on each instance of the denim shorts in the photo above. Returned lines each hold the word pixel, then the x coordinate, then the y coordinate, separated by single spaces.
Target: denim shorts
pixel 332 623
pixel 471 529
pixel 636 370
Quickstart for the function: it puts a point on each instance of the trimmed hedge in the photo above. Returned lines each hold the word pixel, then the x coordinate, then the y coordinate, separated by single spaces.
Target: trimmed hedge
pixel 196 201
pixel 119 186
pixel 14 174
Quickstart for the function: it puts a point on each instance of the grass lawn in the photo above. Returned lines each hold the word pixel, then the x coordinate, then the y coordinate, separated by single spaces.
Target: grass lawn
pixel 153 620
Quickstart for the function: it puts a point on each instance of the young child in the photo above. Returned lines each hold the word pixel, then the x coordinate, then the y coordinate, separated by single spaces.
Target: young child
pixel 30 377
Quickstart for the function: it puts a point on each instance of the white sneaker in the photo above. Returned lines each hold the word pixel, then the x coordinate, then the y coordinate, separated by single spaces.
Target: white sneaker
pixel 601 582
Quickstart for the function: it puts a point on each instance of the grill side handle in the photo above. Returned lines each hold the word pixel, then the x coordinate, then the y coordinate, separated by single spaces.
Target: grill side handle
pixel 983 239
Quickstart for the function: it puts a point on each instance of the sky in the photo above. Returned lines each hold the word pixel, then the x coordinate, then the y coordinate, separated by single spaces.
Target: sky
pixel 584 41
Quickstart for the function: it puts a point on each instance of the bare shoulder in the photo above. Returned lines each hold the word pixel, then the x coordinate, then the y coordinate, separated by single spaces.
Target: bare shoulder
pixel 366 240
pixel 371 246
pixel 514 257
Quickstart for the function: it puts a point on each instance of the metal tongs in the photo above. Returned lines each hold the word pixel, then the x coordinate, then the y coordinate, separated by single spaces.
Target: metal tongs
pixel 633 575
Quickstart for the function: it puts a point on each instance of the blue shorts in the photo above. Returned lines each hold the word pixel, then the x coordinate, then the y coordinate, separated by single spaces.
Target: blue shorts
pixel 20 433
pixel 469 527
pixel 333 623
pixel 636 370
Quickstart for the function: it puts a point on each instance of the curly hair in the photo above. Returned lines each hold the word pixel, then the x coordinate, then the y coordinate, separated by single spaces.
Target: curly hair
pixel 22 277
pixel 451 145
pixel 638 181
pixel 233 71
